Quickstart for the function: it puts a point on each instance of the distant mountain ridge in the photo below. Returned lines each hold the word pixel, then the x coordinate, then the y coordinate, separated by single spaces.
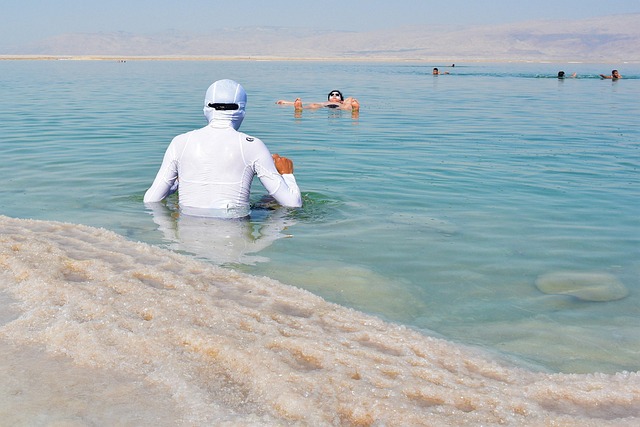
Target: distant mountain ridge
pixel 611 38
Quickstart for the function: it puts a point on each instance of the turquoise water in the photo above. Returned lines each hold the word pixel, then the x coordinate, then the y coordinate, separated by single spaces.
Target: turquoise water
pixel 438 207
pixel 474 239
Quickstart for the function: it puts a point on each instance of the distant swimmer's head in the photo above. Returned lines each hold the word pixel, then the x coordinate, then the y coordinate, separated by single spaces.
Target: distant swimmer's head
pixel 561 74
pixel 225 100
pixel 334 96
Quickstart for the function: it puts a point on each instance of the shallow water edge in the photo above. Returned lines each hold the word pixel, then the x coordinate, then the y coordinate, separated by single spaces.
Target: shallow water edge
pixel 229 348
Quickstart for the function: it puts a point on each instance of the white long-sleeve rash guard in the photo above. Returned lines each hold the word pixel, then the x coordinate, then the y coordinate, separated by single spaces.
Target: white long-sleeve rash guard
pixel 216 165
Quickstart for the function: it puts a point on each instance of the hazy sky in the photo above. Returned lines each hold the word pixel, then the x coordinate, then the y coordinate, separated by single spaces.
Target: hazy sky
pixel 23 21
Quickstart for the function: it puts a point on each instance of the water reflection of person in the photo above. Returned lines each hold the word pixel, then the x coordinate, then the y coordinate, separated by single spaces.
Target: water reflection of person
pixel 221 240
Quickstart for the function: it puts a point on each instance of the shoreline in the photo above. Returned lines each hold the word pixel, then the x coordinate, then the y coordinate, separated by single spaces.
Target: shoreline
pixel 124 58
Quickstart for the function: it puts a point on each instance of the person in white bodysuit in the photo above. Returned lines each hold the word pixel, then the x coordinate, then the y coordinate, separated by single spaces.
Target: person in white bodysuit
pixel 215 165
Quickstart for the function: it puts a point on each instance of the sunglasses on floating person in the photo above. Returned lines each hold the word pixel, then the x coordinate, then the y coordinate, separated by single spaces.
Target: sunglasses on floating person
pixel 335 94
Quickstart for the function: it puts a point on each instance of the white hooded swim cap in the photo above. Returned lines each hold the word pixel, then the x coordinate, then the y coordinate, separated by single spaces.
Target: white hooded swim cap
pixel 225 92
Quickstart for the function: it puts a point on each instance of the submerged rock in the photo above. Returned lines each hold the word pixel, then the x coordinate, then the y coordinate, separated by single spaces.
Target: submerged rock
pixel 588 286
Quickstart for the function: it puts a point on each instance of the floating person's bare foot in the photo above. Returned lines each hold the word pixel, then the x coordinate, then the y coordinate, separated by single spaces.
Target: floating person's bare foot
pixel 355 105
pixel 297 104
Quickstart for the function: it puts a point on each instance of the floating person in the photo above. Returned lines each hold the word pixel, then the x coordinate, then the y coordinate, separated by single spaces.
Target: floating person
pixel 212 168
pixel 561 75
pixel 615 75
pixel 335 99
pixel 437 72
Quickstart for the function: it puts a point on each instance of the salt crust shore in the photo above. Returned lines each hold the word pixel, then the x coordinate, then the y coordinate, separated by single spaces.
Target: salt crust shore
pixel 209 58
pixel 225 348
pixel 286 58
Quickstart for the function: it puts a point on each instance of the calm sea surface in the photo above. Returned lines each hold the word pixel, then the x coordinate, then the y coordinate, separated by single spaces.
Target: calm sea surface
pixel 496 207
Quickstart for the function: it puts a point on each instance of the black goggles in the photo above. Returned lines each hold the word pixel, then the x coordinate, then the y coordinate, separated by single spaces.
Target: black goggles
pixel 222 106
